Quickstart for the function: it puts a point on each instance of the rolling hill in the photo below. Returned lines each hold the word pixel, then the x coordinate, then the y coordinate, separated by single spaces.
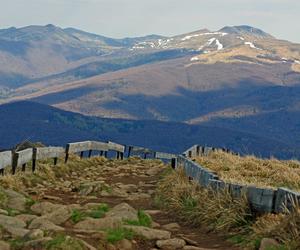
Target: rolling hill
pixel 35 122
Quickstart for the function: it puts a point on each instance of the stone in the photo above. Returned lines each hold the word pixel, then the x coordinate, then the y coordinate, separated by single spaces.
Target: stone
pixel 188 240
pixel 138 196
pixel 129 188
pixel 59 216
pixel 26 217
pixel 150 233
pixel 91 205
pixel 51 197
pixel 111 247
pixel 124 245
pixel 16 231
pixel 153 212
pixel 44 224
pixel 87 245
pixel 171 227
pixel 155 224
pixel 4 245
pixel 99 224
pixel 123 211
pixel 36 243
pixel 267 243
pixel 16 200
pixel 171 244
pixel 44 207
pixel 35 234
pixel 194 248
pixel 4 212
pixel 8 221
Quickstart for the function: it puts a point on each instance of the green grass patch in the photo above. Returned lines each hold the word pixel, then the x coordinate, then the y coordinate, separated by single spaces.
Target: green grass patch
pixel 29 202
pixel 77 216
pixel 117 234
pixel 96 212
pixel 143 220
pixel 99 211
pixel 63 242
pixel 17 244
pixel 12 212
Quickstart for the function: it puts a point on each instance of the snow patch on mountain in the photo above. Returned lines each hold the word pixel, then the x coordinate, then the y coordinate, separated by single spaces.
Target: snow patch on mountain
pixel 210 41
pixel 252 45
pixel 297 61
pixel 195 58
pixel 241 38
pixel 220 45
pixel 204 34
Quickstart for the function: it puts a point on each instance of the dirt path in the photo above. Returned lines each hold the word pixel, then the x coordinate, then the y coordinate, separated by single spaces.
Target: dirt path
pixel 131 181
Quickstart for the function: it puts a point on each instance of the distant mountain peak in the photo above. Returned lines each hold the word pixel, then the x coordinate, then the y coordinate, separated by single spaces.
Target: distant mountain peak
pixel 245 29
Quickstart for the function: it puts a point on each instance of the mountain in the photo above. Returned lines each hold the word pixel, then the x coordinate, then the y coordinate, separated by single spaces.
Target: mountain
pixel 238 78
pixel 36 52
pixel 23 121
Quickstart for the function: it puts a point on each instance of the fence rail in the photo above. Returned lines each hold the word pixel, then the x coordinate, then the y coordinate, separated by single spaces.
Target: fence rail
pixel 33 155
pixel 265 200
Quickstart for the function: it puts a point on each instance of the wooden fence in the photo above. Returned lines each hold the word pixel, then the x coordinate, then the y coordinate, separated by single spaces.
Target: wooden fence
pixel 264 200
pixel 21 159
pixel 260 199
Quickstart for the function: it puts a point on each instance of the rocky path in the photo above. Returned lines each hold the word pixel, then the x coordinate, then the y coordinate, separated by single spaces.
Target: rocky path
pixel 95 204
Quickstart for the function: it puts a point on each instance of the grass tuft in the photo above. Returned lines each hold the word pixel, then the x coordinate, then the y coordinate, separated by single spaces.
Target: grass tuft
pixel 117 234
pixel 143 220
pixel 77 216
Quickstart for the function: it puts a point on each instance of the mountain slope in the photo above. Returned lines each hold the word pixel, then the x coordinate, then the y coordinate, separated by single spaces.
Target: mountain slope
pixel 36 122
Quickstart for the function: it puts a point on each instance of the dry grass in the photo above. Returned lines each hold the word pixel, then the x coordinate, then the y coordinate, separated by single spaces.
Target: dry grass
pixel 251 170
pixel 46 172
pixel 221 213
pixel 285 228
pixel 198 206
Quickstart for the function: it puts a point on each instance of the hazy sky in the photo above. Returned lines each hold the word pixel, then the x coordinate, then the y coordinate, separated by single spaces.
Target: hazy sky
pixel 120 18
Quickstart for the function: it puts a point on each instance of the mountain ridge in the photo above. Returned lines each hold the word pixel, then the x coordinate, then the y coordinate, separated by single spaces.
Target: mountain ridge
pixel 239 78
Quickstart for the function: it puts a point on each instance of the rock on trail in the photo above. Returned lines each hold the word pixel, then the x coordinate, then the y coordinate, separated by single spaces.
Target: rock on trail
pixel 93 204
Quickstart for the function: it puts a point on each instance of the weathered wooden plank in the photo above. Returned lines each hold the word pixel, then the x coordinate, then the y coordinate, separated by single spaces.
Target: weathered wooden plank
pixel 140 150
pixel 237 190
pixel 23 157
pixel 216 185
pixel 191 152
pixel 116 147
pixel 167 156
pixel 5 159
pixel 286 198
pixel 76 147
pixel 99 146
pixel 48 152
pixel 261 199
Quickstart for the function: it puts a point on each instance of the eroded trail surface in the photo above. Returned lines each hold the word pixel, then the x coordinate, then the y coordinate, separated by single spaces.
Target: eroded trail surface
pixel 94 204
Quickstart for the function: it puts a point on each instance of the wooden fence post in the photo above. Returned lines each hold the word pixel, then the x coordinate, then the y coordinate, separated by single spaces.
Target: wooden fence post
pixel 14 163
pixel 33 165
pixel 129 151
